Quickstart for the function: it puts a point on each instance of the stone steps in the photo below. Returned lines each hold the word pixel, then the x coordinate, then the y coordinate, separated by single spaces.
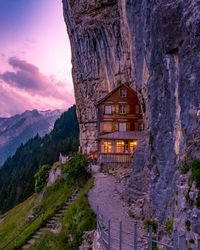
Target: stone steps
pixel 36 236
pixel 26 246
pixel 31 241
pixel 50 225
pixel 62 211
pixel 51 222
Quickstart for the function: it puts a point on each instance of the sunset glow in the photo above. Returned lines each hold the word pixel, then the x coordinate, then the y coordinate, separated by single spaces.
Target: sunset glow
pixel 35 65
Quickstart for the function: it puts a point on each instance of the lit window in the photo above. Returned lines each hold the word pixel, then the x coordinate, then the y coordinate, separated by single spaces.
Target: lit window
pixel 120 147
pixel 107 147
pixel 132 145
pixel 122 127
pixel 108 110
pixel 122 109
pixel 122 92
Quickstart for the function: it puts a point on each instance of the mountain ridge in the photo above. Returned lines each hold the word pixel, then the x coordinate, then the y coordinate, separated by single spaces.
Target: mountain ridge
pixel 19 128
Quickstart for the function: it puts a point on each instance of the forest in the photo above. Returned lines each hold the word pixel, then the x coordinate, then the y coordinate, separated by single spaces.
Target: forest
pixel 17 174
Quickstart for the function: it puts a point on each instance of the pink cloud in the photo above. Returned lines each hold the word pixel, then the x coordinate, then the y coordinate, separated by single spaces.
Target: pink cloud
pixel 25 87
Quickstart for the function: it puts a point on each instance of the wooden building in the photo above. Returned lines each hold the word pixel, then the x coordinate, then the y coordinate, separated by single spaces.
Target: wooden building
pixel 119 124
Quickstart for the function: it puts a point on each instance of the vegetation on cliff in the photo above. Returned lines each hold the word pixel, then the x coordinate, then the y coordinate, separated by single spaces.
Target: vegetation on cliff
pixel 77 219
pixel 17 174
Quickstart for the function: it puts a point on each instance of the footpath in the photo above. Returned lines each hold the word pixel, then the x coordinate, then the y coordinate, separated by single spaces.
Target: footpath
pixel 106 194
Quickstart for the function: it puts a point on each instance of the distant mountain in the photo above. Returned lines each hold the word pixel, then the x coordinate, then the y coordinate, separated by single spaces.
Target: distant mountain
pixel 20 128
pixel 17 181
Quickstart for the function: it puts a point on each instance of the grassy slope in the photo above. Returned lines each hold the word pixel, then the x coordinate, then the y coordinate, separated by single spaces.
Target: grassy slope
pixel 15 219
pixel 78 218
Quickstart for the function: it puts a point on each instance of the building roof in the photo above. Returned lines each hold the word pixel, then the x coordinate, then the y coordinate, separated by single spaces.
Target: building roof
pixel 112 91
pixel 129 135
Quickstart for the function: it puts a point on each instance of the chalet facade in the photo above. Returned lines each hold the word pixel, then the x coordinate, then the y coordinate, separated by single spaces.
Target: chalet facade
pixel 119 125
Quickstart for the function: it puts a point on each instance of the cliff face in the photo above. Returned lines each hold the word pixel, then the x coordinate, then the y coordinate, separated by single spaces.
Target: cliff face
pixel 154 46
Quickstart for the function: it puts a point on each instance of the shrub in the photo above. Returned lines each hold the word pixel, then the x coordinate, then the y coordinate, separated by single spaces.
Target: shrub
pixel 185 168
pixel 169 226
pixel 41 177
pixel 187 225
pixel 194 165
pixel 154 244
pixel 154 159
pixel 129 201
pixel 195 176
pixel 197 202
pixel 180 42
pixel 75 167
pixel 150 139
pixel 131 215
pixel 192 241
pixel 189 143
pixel 153 223
pixel 187 198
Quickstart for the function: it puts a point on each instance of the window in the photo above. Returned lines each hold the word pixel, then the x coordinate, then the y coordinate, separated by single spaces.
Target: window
pixel 132 145
pixel 122 109
pixel 108 110
pixel 107 147
pixel 107 126
pixel 122 92
pixel 120 147
pixel 122 127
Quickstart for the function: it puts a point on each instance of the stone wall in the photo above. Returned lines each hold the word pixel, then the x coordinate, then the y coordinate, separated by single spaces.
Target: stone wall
pixel 154 46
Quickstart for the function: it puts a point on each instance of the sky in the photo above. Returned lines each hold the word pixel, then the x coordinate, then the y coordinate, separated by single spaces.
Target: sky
pixel 35 57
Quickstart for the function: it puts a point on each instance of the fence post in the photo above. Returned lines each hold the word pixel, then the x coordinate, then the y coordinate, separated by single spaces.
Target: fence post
pixel 150 237
pixel 109 235
pixel 175 240
pixel 182 242
pixel 135 236
pixel 120 236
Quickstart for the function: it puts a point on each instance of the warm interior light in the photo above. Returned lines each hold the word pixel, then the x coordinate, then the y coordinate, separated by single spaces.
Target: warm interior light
pixel 107 147
pixel 132 145
pixel 120 147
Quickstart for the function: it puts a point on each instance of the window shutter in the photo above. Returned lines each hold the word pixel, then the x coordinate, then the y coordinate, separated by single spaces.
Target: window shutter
pixel 136 126
pixel 116 126
pixel 137 109
pixel 117 109
pixel 108 126
pixel 128 127
pixel 127 108
pixel 113 108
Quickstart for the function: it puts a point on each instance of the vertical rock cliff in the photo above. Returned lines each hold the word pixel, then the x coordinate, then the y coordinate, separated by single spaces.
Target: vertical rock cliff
pixel 154 46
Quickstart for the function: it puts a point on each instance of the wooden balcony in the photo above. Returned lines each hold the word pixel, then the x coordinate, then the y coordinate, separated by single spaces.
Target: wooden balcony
pixel 119 135
pixel 118 158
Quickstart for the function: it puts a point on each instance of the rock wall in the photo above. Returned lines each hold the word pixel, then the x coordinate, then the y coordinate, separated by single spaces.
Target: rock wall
pixel 154 46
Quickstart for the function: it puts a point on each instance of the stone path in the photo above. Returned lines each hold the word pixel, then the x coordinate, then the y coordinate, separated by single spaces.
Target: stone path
pixel 106 194
pixel 52 224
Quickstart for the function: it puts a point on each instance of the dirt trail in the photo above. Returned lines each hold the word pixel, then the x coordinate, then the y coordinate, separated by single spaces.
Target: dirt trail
pixel 106 194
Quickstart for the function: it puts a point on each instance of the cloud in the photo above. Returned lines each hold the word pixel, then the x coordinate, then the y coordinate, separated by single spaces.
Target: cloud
pixel 25 76
pixel 26 87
